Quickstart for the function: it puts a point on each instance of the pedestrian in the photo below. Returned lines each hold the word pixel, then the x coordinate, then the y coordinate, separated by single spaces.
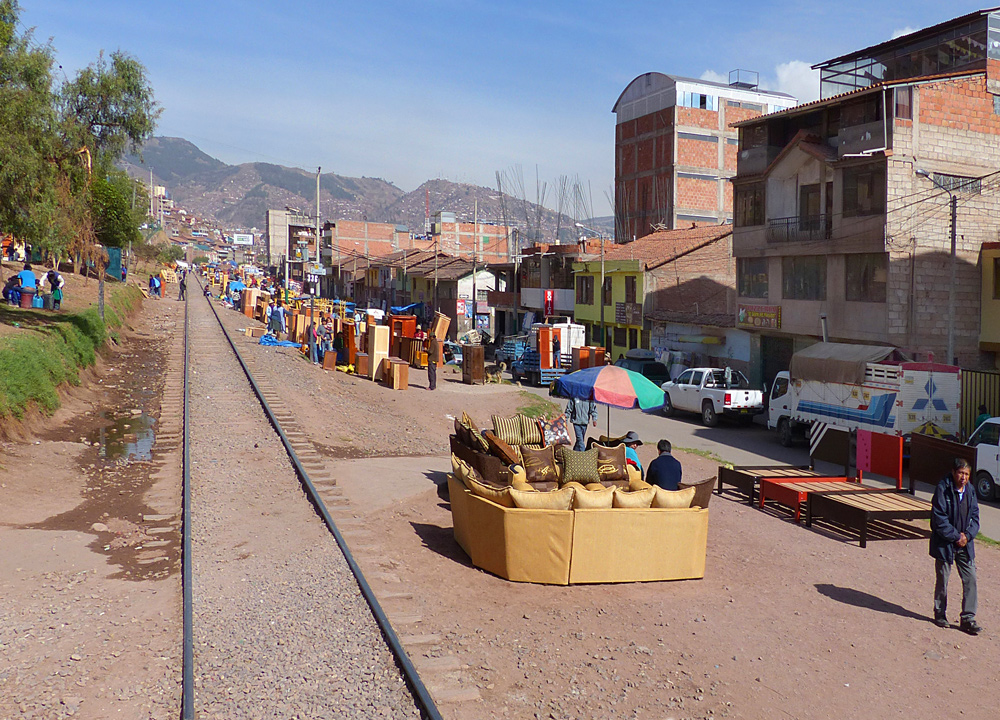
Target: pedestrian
pixel 152 287
pixel 580 412
pixel 124 273
pixel 56 284
pixel 181 288
pixel 267 313
pixel 556 357
pixel 665 471
pixel 983 416
pixel 432 360
pixel 278 320
pixel 954 524
pixel 632 441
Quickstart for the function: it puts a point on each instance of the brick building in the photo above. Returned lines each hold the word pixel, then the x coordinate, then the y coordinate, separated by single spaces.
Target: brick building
pixel 674 149
pixel 832 216
pixel 491 242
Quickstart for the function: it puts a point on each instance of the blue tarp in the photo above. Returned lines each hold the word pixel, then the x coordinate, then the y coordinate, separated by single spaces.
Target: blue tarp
pixel 114 262
pixel 405 309
pixel 274 342
pixel 236 286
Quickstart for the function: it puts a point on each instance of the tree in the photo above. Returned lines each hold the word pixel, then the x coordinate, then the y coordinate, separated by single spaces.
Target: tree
pixel 171 253
pixel 116 223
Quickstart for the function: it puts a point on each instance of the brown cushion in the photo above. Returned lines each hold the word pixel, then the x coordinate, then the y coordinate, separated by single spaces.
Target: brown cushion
pixel 673 498
pixel 580 466
pixel 637 499
pixel 552 500
pixel 539 465
pixel 508 429
pixel 462 433
pixel 501 449
pixel 531 431
pixel 611 463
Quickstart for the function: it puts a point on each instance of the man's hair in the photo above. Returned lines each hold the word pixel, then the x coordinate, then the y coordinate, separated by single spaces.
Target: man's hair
pixel 663 446
pixel 27 266
pixel 961 464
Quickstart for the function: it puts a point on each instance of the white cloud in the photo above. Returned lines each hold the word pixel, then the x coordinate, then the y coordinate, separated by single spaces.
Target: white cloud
pixel 796 78
pixel 712 76
pixel 903 31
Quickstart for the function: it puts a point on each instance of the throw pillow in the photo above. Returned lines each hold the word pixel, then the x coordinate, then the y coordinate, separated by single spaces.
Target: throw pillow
pixel 673 498
pixel 638 499
pixel 477 441
pixel 501 449
pixel 508 429
pixel 561 499
pixel 637 484
pixel 462 433
pixel 594 499
pixel 531 431
pixel 539 465
pixel 556 430
pixel 611 463
pixel 580 466
pixel 497 495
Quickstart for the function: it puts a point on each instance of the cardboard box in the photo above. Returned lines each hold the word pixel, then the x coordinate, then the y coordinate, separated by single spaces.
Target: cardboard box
pixel 255 332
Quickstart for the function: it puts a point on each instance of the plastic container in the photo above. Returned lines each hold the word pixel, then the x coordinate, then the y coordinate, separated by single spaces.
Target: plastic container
pixel 27 297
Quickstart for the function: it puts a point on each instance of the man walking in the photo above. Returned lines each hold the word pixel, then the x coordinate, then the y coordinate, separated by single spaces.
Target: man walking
pixel 665 471
pixel 954 524
pixel 432 361
pixel 181 288
pixel 580 412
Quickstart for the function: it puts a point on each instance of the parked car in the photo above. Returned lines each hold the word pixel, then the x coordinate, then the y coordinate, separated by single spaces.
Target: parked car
pixel 650 368
pixel 712 392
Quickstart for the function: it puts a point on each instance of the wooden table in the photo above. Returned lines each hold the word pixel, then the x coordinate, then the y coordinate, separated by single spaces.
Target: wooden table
pixel 857 509
pixel 747 478
pixel 794 493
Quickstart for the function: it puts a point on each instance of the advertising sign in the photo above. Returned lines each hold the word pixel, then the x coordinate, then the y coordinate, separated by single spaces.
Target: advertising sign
pixel 242 239
pixel 549 302
pixel 460 307
pixel 762 317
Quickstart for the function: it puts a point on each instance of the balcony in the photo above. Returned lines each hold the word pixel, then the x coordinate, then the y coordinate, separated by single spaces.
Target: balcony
pixel 804 228
pixel 501 300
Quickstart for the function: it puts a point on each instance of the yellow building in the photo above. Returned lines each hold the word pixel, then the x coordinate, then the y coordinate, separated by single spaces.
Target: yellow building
pixel 622 295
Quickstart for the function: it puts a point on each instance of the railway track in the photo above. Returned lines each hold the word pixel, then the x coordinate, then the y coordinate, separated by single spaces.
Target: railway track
pixel 279 620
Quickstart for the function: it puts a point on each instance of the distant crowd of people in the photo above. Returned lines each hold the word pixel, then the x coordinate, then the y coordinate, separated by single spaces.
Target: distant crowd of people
pixel 26 283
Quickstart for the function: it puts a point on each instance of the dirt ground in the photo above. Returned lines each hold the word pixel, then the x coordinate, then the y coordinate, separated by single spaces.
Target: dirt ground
pixel 90 618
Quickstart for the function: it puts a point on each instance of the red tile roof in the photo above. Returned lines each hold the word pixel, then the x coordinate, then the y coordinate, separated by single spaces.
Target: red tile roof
pixel 660 248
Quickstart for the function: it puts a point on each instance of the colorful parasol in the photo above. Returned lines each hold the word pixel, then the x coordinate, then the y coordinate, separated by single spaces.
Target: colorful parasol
pixel 611 385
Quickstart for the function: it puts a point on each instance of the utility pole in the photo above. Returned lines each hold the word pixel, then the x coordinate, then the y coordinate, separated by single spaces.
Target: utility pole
pixel 475 256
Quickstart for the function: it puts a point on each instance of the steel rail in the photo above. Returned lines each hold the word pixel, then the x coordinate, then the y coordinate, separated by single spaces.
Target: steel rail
pixel 187 683
pixel 421 695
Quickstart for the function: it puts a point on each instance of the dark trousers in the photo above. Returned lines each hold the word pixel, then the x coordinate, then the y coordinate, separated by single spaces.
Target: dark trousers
pixel 966 567
pixel 432 375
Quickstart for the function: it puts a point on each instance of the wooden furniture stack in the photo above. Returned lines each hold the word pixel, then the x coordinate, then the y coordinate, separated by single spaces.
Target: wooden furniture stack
pixel 378 349
pixel 396 373
pixel 473 365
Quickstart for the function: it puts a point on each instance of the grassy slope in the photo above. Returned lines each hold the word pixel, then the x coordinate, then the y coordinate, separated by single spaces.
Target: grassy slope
pixel 52 349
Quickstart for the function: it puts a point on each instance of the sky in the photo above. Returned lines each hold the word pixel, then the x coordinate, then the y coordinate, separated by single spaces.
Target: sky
pixel 408 91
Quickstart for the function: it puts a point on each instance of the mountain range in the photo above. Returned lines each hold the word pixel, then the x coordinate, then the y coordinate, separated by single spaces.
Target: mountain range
pixel 239 196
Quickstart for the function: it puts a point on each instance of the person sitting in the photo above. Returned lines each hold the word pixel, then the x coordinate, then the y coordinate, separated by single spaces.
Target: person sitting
pixel 665 471
pixel 12 290
pixel 984 415
pixel 28 279
pixel 632 441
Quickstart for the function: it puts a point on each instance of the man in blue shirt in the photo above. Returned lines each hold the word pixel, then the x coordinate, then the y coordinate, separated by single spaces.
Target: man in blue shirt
pixel 27 277
pixel 665 470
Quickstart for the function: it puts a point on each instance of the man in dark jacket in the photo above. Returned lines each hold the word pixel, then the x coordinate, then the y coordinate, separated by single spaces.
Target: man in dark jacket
pixel 954 524
pixel 665 471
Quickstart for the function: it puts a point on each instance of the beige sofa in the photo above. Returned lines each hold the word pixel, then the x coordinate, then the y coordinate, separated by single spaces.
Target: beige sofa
pixel 562 547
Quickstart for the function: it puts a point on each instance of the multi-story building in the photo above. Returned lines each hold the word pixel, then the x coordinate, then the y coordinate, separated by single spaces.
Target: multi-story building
pixel 675 149
pixel 842 205
pixel 491 243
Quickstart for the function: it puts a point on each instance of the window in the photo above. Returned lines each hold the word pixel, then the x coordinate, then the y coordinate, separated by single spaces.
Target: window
pixel 996 278
pixel 862 112
pixel 864 190
pixel 585 290
pixel 698 136
pixel 988 435
pixel 865 277
pixel 809 213
pixel 779 388
pixel 753 136
pixel 752 277
pixel 633 338
pixel 482 295
pixel 630 289
pixel 685 378
pixel 803 277
pixel 620 336
pixel 607 291
pixel 996 104
pixel 696 377
pixel 749 202
pixel 904 103
pixel 700 101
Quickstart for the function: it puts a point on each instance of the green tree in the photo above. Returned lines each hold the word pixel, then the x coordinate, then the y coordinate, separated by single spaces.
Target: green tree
pixel 171 253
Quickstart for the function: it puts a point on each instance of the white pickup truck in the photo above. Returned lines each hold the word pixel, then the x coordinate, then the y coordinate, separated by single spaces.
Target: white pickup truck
pixel 712 392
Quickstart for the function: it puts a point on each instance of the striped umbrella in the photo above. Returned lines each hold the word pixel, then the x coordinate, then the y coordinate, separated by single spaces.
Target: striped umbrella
pixel 611 385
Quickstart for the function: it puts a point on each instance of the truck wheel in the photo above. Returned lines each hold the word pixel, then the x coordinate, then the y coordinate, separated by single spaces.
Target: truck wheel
pixel 668 408
pixel 708 414
pixel 985 487
pixel 785 432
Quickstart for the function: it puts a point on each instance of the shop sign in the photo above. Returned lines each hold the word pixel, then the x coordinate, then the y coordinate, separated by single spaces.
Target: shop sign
pixel 550 302
pixel 763 317
pixel 628 313
pixel 460 307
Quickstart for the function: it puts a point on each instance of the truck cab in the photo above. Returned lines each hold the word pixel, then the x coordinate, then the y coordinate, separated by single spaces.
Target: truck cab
pixel 986 440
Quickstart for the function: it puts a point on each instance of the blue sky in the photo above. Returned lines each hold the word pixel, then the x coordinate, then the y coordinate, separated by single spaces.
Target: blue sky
pixel 407 91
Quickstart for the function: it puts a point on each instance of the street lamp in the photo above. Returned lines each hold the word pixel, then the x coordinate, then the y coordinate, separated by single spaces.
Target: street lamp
pixel 951 286
pixel 604 331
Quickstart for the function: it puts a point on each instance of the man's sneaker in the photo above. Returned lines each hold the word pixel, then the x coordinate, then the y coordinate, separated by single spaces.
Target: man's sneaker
pixel 971 627
pixel 942 622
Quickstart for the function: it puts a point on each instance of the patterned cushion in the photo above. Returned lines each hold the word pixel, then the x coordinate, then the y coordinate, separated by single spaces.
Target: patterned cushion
pixel 578 466
pixel 501 449
pixel 556 431
pixel 673 498
pixel 475 438
pixel 508 429
pixel 539 465
pixel 611 463
pixel 531 431
pixel 462 433
pixel 553 500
